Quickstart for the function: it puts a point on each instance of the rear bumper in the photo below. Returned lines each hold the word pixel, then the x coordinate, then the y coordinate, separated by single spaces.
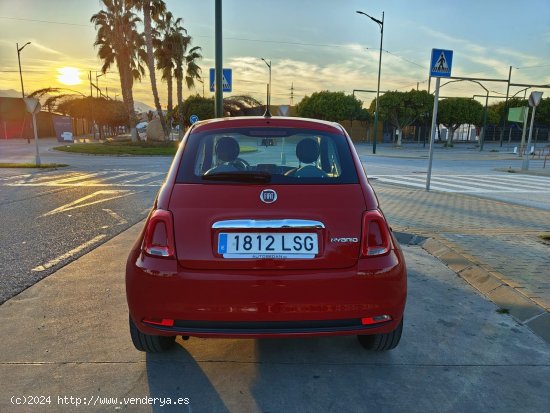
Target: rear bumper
pixel 267 303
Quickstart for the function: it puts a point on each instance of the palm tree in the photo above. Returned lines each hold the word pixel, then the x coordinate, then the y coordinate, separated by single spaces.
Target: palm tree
pixel 185 63
pixel 170 30
pixel 152 10
pixel 119 42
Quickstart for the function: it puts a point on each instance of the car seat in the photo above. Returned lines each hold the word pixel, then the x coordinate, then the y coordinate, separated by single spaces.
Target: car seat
pixel 307 151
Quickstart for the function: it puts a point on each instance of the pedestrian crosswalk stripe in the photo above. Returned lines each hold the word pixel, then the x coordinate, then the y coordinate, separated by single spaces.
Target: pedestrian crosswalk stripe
pixel 114 177
pixel 472 183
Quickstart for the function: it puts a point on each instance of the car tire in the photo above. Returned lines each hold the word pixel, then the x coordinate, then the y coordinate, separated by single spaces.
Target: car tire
pixel 150 343
pixel 382 342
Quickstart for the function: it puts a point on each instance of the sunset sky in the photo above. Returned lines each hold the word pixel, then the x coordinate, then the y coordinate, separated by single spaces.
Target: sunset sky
pixel 314 45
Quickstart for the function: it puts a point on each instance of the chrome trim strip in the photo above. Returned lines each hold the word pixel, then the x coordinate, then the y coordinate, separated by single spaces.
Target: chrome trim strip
pixel 267 223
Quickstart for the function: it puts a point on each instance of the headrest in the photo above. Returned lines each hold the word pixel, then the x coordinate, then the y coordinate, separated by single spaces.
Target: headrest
pixel 227 149
pixel 307 150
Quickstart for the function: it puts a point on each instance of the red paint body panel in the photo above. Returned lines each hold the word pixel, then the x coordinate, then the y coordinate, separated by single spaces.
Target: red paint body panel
pixel 171 292
pixel 197 207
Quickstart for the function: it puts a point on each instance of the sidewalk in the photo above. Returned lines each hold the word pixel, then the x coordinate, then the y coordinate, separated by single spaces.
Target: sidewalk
pixel 493 245
pixel 461 151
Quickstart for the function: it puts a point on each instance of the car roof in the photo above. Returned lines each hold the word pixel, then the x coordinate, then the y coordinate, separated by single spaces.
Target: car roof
pixel 276 121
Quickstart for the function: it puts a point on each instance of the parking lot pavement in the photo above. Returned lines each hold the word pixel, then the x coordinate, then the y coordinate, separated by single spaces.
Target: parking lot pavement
pixel 66 341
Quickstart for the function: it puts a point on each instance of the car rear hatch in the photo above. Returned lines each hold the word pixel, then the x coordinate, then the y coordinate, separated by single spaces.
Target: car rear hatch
pixel 229 227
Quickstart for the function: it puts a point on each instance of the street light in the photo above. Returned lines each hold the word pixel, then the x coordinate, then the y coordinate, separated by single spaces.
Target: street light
pixel 269 87
pixel 483 131
pixel 19 61
pixel 519 91
pixel 381 24
pixel 21 74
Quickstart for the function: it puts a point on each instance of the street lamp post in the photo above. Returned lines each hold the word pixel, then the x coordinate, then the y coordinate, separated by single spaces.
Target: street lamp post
pixel 19 61
pixel 21 75
pixel 484 128
pixel 381 24
pixel 269 87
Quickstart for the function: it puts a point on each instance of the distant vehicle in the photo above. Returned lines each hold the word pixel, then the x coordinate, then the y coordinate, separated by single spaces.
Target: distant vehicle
pixel 250 241
pixel 142 130
pixel 67 136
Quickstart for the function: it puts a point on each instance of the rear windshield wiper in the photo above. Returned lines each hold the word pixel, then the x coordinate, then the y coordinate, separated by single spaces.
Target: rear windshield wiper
pixel 259 177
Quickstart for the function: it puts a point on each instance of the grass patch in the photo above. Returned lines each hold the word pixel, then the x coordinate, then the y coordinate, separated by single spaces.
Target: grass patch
pixel 32 165
pixel 122 148
pixel 545 236
pixel 126 147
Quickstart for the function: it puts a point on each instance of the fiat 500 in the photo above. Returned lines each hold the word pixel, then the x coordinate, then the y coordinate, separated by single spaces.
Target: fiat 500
pixel 266 227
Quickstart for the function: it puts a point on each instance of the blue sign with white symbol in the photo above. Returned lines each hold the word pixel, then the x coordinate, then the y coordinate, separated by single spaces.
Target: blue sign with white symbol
pixel 227 80
pixel 441 63
pixel 193 119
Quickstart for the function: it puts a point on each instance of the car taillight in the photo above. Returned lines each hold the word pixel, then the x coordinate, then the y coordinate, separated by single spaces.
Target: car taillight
pixel 159 235
pixel 376 238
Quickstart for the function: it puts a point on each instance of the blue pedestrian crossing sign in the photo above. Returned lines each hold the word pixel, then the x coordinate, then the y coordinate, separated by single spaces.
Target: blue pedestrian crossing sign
pixel 441 63
pixel 227 80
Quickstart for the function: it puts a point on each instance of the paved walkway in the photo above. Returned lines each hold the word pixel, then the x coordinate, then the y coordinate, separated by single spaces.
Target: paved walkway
pixel 500 238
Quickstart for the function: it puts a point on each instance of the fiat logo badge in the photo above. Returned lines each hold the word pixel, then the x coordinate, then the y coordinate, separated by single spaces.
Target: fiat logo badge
pixel 268 196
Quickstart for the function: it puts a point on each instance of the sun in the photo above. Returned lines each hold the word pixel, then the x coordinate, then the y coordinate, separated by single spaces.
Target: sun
pixel 69 76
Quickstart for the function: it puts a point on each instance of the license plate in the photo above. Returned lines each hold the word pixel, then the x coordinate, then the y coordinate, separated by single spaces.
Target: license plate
pixel 268 245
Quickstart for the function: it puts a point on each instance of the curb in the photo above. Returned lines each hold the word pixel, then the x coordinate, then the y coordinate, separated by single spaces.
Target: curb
pixel 492 284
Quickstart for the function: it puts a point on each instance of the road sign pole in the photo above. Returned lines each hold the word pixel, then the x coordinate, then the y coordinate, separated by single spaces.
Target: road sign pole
pixel 219 62
pixel 525 163
pixel 523 132
pixel 37 157
pixel 432 136
pixel 534 101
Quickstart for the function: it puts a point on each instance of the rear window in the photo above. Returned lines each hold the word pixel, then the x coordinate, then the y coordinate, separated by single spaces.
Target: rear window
pixel 262 155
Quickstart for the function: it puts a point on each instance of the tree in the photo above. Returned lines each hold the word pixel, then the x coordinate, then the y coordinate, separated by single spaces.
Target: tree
pixel 165 46
pixel 185 64
pixel 331 106
pixel 204 107
pixel 542 114
pixel 402 109
pixel 103 111
pixel 152 11
pixel 238 105
pixel 195 105
pixel 453 112
pixel 119 42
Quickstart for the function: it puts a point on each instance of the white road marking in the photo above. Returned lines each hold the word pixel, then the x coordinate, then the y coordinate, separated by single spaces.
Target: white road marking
pixel 69 254
pixel 80 203
pixel 95 179
pixel 473 183
pixel 121 221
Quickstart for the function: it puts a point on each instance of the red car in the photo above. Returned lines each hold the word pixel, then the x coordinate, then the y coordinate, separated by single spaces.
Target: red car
pixel 266 227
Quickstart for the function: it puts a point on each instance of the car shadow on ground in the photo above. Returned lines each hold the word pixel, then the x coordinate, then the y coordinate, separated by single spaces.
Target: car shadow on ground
pixel 178 383
pixel 457 351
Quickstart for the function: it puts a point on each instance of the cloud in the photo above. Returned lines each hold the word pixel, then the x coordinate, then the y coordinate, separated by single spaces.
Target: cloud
pixel 44 49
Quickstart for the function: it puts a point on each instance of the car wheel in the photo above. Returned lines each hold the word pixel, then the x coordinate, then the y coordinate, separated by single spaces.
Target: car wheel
pixel 382 342
pixel 150 343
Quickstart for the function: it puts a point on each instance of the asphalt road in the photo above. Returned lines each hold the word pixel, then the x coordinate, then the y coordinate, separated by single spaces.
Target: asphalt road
pixel 50 218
